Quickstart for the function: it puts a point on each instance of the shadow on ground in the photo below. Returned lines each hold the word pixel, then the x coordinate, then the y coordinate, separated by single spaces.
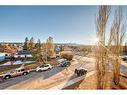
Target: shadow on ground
pixel 53 72
pixel 32 76
pixel 75 85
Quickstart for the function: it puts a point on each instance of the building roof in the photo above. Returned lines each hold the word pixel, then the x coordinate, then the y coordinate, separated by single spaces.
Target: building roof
pixel 24 52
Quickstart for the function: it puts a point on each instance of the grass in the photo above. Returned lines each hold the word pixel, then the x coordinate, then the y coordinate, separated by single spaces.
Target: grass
pixel 2 62
pixel 4 69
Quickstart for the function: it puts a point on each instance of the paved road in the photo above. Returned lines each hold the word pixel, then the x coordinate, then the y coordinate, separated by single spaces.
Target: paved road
pixel 87 63
pixel 31 76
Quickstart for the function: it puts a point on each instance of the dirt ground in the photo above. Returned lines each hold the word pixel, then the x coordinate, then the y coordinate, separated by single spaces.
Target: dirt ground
pixel 90 83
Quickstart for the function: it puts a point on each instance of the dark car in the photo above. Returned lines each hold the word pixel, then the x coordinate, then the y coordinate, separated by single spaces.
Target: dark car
pixel 65 64
pixel 124 58
pixel 80 71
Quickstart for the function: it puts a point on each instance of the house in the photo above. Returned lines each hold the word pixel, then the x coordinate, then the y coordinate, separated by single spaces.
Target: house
pixel 23 53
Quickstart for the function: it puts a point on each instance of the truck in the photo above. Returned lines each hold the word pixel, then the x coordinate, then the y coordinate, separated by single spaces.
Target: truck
pixel 15 73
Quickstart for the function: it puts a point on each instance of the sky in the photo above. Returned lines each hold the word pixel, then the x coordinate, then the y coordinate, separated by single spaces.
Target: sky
pixel 66 24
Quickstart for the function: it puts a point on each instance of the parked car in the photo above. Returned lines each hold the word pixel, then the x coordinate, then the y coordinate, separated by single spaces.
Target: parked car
pixel 61 60
pixel 16 72
pixel 44 67
pixel 80 71
pixel 65 63
pixel 124 57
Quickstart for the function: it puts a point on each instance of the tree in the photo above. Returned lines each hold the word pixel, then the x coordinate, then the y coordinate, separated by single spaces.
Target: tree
pixel 50 47
pixel 125 48
pixel 38 44
pixel 101 55
pixel 1 48
pixel 31 44
pixel 38 52
pixel 118 32
pixel 25 46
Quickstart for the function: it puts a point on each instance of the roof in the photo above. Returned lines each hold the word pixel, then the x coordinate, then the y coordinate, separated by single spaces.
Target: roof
pixel 24 52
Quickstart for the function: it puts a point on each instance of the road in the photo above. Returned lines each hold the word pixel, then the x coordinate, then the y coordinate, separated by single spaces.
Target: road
pixel 84 62
pixel 30 76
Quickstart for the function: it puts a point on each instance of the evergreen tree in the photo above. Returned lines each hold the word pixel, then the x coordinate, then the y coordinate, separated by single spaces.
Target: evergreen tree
pixel 38 53
pixel 25 46
pixel 31 44
pixel 38 44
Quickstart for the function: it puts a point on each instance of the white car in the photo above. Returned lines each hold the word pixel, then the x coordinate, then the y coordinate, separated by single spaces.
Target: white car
pixel 44 67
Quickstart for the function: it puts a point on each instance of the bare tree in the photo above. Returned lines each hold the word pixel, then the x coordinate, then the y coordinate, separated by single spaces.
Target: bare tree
pixel 101 56
pixel 125 48
pixel 118 32
pixel 50 47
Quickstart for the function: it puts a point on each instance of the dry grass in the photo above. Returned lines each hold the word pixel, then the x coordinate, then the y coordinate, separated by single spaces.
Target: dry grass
pixel 2 62
pixel 90 83
pixel 4 69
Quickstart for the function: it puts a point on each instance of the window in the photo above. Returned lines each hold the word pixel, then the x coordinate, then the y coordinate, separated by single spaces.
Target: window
pixel 12 72
pixel 22 69
pixel 41 66
pixel 46 65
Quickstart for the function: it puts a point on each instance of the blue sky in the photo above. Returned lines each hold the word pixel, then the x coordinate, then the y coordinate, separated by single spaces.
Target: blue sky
pixel 66 24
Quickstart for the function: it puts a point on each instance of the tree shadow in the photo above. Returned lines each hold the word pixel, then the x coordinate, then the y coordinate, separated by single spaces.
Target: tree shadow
pixel 46 74
pixel 74 85
pixel 52 72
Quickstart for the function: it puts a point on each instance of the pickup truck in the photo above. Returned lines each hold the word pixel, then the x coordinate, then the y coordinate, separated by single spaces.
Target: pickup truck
pixel 15 72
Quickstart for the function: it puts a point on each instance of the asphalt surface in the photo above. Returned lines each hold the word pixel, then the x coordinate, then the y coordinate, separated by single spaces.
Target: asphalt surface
pixel 83 62
pixel 32 75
